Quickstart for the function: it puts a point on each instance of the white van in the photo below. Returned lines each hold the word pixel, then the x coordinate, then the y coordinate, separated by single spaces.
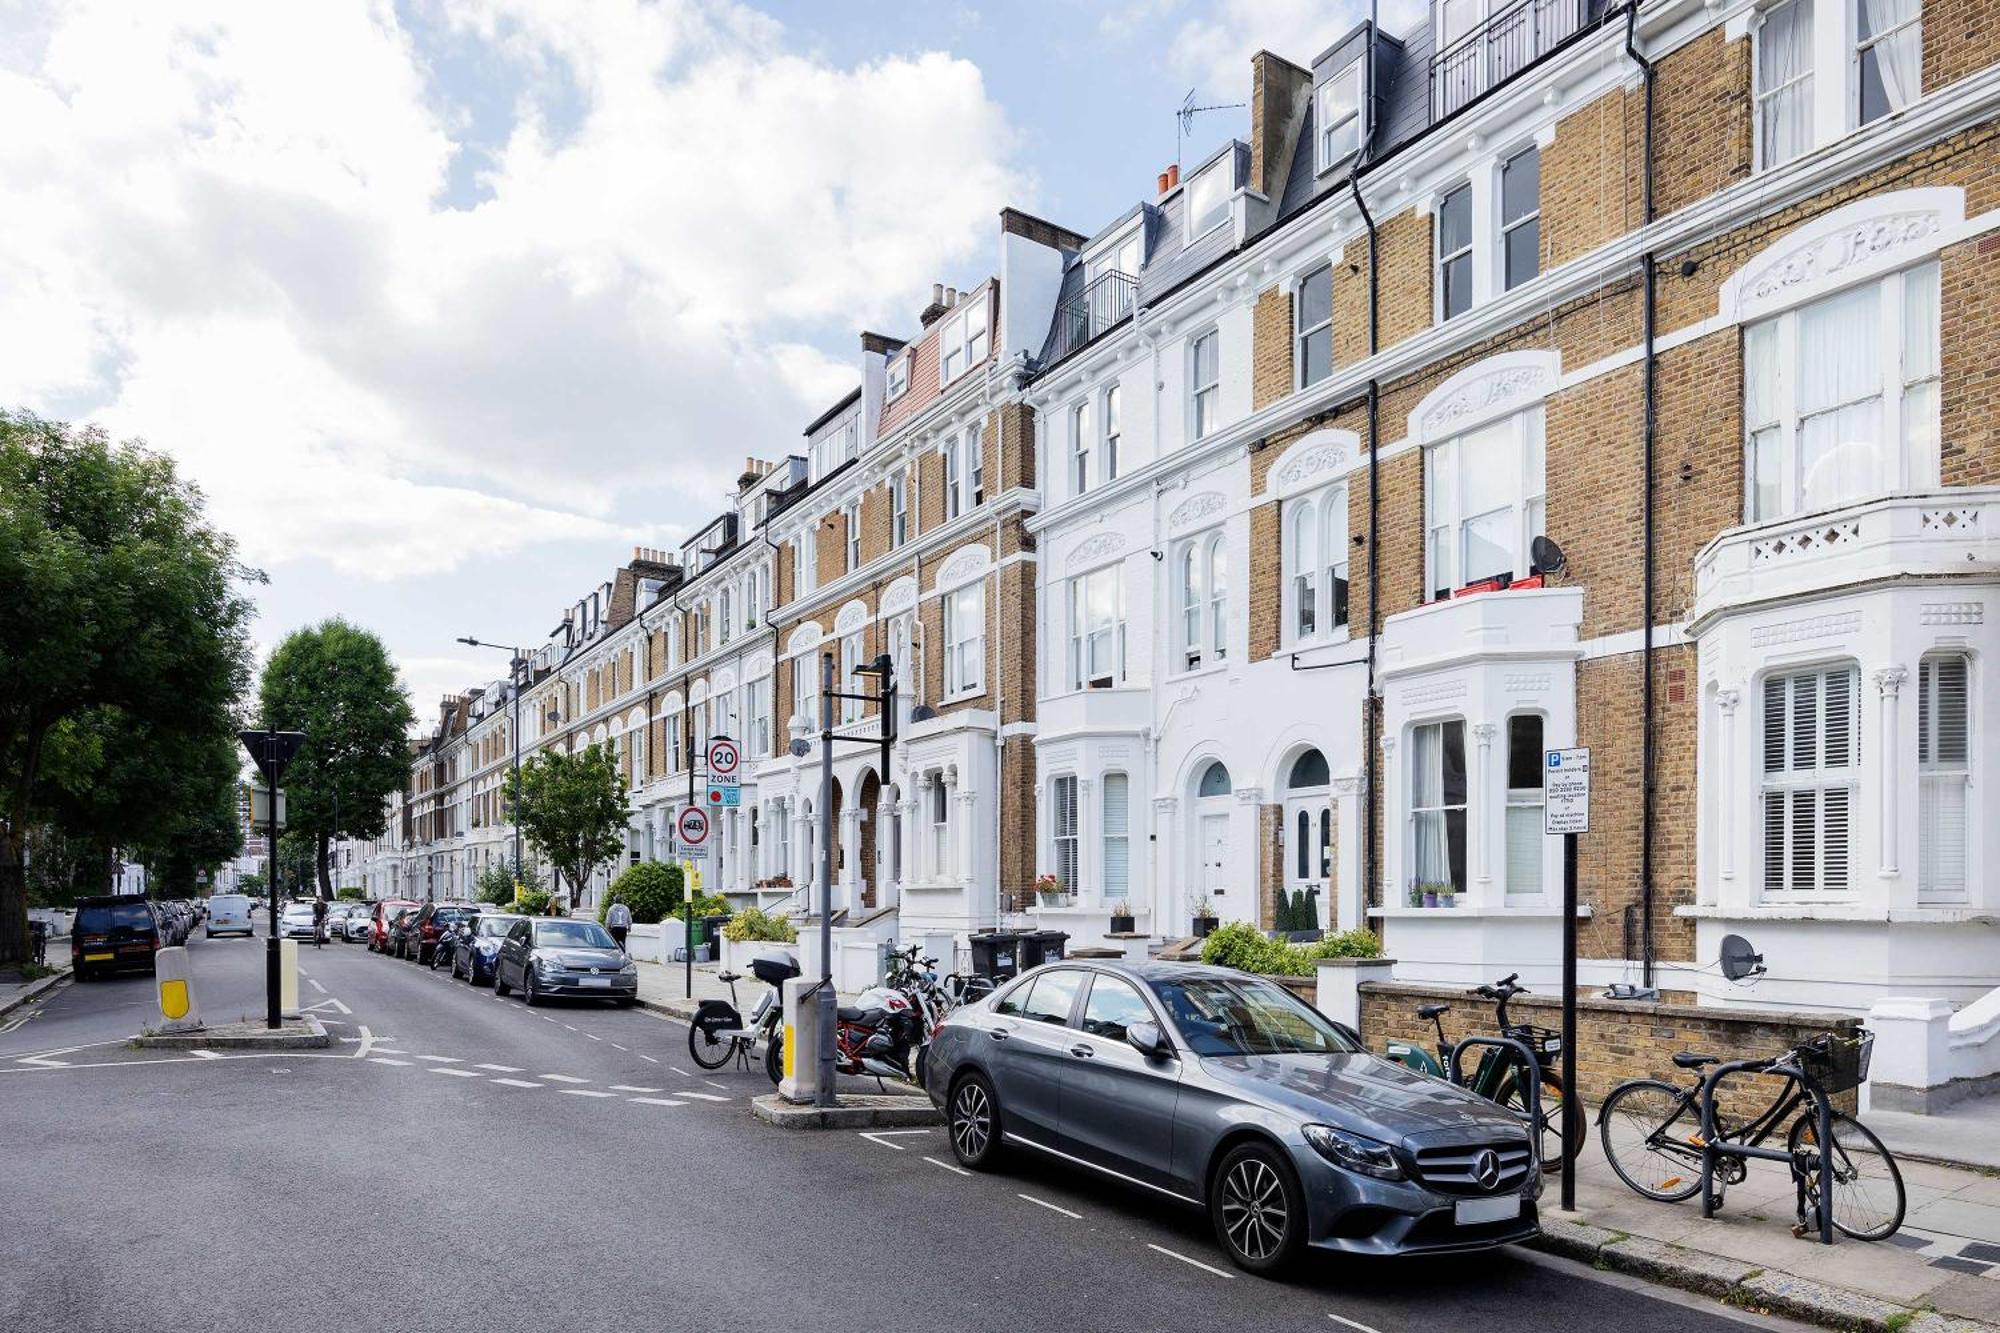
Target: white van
pixel 229 914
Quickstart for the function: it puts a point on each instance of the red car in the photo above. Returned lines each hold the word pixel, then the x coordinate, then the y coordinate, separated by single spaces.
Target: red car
pixel 386 913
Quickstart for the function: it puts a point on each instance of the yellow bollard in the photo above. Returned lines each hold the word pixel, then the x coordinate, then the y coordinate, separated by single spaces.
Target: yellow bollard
pixel 288 978
pixel 175 985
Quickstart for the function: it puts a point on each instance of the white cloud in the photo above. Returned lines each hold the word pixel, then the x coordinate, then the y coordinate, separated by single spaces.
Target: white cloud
pixel 230 230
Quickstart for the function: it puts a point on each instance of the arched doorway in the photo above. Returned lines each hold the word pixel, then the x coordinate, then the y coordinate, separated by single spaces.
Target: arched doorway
pixel 868 797
pixel 1213 807
pixel 1308 840
pixel 831 829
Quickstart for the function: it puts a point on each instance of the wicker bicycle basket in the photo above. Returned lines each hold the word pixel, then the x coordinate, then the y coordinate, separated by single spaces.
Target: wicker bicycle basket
pixel 1836 1063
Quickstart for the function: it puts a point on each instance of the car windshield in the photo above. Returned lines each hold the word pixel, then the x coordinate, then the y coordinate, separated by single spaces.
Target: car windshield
pixel 1241 1016
pixel 112 916
pixel 299 909
pixel 576 934
pixel 448 916
pixel 494 926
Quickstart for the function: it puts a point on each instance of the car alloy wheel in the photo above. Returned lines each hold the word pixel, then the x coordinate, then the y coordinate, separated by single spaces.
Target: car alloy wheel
pixel 1258 1211
pixel 528 986
pixel 974 1122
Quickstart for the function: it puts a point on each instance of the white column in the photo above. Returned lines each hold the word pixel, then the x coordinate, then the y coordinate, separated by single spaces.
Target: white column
pixel 886 837
pixel 912 869
pixel 847 885
pixel 965 831
pixel 1889 681
pixel 1391 860
pixel 1348 903
pixel 1482 792
pixel 1725 746
pixel 1166 891
pixel 1089 840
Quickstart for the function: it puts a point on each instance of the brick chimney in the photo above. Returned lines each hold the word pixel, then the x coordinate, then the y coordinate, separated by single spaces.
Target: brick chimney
pixel 935 311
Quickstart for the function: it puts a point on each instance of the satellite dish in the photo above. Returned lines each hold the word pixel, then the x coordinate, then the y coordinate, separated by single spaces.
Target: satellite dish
pixel 1548 557
pixel 1739 960
pixel 800 747
pixel 922 713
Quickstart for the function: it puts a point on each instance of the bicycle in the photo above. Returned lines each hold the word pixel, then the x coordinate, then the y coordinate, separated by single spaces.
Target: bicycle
pixel 1652 1135
pixel 1498 1074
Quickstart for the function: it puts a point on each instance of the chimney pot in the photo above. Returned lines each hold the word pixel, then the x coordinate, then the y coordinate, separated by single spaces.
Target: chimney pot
pixel 1162 184
pixel 937 293
pixel 950 298
pixel 1173 175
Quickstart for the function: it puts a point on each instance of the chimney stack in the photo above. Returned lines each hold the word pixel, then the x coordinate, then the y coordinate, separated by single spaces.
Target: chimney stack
pixel 1173 175
pixel 933 312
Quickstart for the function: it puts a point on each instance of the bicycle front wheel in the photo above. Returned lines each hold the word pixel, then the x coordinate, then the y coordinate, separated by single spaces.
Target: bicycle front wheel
pixel 707 1050
pixel 1866 1190
pixel 1647 1128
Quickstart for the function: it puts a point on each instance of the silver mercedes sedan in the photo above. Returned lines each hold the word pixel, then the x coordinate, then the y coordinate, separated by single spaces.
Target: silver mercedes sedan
pixel 1225 1091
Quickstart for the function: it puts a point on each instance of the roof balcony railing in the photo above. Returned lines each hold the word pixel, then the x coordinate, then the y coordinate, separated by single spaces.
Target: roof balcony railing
pixel 1512 37
pixel 1104 301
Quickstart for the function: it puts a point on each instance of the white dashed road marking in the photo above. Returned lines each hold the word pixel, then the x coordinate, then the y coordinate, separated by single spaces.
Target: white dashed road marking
pixel 704 1096
pixel 647 1058
pixel 626 1087
pixel 1360 1328
pixel 500 1069
pixel 315 985
pixel 586 1092
pixel 457 1073
pixel 682 1072
pixel 442 1059
pixel 656 1101
pixel 593 1036
pixel 957 1170
pixel 385 1060
pixel 516 1083
pixel 564 1078
pixel 1054 1208
pixel 1193 1263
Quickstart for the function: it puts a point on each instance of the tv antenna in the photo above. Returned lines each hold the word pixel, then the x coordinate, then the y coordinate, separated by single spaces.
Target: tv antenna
pixel 1184 119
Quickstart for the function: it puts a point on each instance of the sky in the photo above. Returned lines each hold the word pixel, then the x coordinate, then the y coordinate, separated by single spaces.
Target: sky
pixel 447 306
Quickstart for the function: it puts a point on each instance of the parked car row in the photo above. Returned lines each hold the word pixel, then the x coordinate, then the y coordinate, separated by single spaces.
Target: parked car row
pixel 124 932
pixel 541 957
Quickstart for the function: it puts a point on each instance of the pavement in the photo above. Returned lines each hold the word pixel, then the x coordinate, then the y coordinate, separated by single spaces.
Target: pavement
pixel 455 1160
pixel 13 995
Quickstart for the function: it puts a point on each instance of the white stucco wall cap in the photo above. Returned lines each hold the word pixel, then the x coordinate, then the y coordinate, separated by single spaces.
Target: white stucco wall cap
pixel 1538 623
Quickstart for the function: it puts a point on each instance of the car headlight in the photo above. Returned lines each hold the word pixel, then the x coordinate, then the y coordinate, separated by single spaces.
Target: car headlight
pixel 631 969
pixel 1353 1152
pixel 547 965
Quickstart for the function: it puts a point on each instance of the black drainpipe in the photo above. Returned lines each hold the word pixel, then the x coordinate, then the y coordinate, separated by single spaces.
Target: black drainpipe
pixel 1370 853
pixel 1649 273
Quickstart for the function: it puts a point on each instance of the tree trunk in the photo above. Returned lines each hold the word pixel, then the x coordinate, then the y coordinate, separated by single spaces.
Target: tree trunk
pixel 323 847
pixel 13 900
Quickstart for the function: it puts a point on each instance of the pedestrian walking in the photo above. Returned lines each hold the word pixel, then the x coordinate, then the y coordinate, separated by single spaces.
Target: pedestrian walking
pixel 619 919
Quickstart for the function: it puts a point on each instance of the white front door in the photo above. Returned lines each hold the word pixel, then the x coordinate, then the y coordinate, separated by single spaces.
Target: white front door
pixel 1308 849
pixel 1215 876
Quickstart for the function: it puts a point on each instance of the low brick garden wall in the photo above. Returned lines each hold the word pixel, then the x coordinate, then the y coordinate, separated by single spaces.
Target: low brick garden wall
pixel 1616 1040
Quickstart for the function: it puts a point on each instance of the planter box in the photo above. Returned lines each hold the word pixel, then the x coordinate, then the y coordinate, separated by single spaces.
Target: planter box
pixel 736 955
pixel 1204 924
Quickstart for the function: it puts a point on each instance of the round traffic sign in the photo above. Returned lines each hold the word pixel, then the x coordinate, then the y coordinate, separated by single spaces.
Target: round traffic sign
pixel 722 758
pixel 691 825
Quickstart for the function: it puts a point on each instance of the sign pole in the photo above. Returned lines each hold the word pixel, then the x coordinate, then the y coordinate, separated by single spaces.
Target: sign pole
pixel 1566 811
pixel 272 1018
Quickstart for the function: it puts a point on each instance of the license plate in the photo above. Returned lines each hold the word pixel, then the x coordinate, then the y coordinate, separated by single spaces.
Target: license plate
pixel 593 981
pixel 1472 1212
pixel 97 957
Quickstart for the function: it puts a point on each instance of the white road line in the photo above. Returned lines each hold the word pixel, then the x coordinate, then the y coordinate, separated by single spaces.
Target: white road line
pixel 385 1060
pixel 682 1072
pixel 704 1096
pixel 627 1087
pixel 647 1058
pixel 616 1047
pixel 715 1083
pixel 586 1092
pixel 881 1137
pixel 500 1069
pixel 206 1055
pixel 656 1101
pixel 442 1059
pixel 957 1170
pixel 563 1078
pixel 457 1073
pixel 547 1019
pixel 516 1083
pixel 1054 1208
pixel 593 1036
pixel 568 1026
pixel 391 1050
pixel 1193 1263
pixel 1360 1328
pixel 366 1039
pixel 310 981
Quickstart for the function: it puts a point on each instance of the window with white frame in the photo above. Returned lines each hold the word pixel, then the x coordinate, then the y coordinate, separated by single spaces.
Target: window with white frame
pixel 938 812
pixel 1338 115
pixel 760 716
pixel 1944 776
pixel 1315 335
pixel 1204 383
pixel 1525 838
pixel 1454 253
pixel 1840 397
pixel 1812 753
pixel 1097 628
pixel 975 467
pixel 1784 82
pixel 1889 49
pixel 1520 218
pixel 676 740
pixel 898 375
pixel 1114 434
pixel 965 640
pixel 1316 565
pixel 805 565
pixel 1080 441
pixel 805 689
pixel 1484 502
pixel 1063 839
pixel 1437 805
pixel 727 621
pixel 1202 598
pixel 781 838
pixel 1872 50
pixel 899 508
pixel 851 650
pixel 1116 831
pixel 962 344
pixel 1207 202
pixel 954 492
pixel 851 522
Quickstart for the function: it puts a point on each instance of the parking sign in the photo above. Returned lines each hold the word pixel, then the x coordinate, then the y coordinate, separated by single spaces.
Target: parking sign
pixel 1566 791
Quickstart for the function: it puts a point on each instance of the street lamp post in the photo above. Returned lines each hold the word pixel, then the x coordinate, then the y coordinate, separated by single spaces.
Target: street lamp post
pixel 514 673
pixel 884 669
pixel 272 751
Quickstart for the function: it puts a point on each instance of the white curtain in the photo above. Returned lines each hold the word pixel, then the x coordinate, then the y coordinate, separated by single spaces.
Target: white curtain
pixel 1762 398
pixel 1899 58
pixel 1920 378
pixel 1784 71
pixel 1840 399
pixel 1433 855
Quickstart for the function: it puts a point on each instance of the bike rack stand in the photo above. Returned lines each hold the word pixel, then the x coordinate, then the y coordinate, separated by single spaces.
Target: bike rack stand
pixel 1532 1111
pixel 1711 1151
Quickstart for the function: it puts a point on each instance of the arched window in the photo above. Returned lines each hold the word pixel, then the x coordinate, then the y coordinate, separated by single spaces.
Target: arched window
pixel 1309 770
pixel 1305 569
pixel 1191 598
pixel 1316 564
pixel 1218 597
pixel 1202 595
pixel 1214 779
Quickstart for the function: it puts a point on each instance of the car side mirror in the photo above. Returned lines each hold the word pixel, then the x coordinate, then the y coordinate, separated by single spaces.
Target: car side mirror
pixel 1148 1040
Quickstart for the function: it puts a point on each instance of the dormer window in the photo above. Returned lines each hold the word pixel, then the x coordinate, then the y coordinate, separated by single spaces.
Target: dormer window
pixel 1207 201
pixel 963 343
pixel 1338 115
pixel 899 376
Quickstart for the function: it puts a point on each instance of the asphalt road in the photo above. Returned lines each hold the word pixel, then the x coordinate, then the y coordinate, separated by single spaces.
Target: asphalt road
pixel 461 1162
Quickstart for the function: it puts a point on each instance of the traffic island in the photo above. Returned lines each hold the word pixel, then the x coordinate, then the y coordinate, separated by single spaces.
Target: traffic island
pixel 295 1034
pixel 854 1111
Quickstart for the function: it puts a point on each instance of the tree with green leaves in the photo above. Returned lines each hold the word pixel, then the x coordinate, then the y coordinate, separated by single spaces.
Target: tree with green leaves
pixel 572 811
pixel 115 593
pixel 335 682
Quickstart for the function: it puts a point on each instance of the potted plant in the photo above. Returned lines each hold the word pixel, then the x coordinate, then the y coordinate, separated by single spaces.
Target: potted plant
pixel 1205 919
pixel 1431 894
pixel 1416 894
pixel 1121 918
pixel 1048 891
pixel 1447 896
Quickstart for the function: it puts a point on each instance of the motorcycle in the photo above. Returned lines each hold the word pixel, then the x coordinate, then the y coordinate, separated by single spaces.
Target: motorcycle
pixel 875 1037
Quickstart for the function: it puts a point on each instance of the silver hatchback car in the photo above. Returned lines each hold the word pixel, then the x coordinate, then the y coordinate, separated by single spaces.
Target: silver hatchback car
pixel 1225 1091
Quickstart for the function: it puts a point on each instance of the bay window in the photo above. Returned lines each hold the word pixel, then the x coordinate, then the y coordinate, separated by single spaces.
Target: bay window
pixel 1063 832
pixel 1811 758
pixel 965 640
pixel 1204 383
pixel 1437 805
pixel 1525 838
pixel 850 657
pixel 1117 836
pixel 1840 397
pixel 1203 601
pixel 1484 502
pixel 1097 628
pixel 1944 769
pixel 1315 336
pixel 938 813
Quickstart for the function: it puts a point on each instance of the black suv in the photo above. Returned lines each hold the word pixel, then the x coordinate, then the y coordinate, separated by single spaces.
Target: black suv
pixel 113 933
pixel 417 936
